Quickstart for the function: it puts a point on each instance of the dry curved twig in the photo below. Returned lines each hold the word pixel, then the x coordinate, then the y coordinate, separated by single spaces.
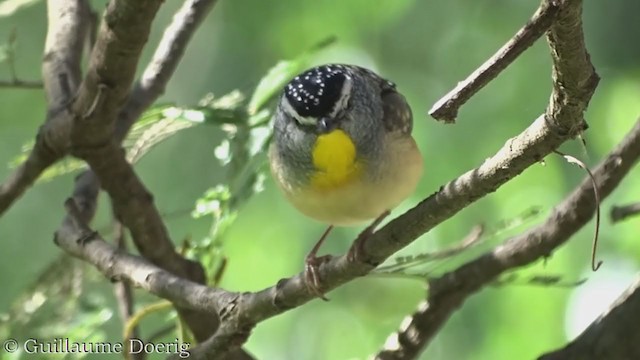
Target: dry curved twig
pixel 594 247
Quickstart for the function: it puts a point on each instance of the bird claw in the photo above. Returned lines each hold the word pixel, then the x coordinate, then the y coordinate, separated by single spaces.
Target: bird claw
pixel 312 275
pixel 312 262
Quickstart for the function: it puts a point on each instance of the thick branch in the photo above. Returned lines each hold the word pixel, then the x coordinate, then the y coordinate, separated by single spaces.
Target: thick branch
pixel 613 336
pixel 192 299
pixel 574 81
pixel 446 109
pixel 562 121
pixel 63 50
pixel 148 89
pixel 80 241
pixel 165 60
pixel 61 75
pixel 518 153
pixel 574 78
pixel 112 67
pixel 114 59
pixel 25 175
pixel 447 293
pixel 133 205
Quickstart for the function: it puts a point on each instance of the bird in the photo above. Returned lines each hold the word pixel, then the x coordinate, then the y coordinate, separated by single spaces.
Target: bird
pixel 342 151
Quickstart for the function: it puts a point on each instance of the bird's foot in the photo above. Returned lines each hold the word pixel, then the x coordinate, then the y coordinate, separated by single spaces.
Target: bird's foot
pixel 311 267
pixel 312 276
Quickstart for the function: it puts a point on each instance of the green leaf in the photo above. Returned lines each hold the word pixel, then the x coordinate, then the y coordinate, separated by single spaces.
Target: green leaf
pixel 62 167
pixel 164 121
pixel 272 83
pixel 157 125
pixel 214 201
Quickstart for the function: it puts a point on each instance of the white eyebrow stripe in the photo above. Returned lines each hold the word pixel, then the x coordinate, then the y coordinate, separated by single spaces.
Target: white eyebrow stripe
pixel 345 93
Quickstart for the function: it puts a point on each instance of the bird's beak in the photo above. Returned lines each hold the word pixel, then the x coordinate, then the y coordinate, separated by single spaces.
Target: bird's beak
pixel 326 124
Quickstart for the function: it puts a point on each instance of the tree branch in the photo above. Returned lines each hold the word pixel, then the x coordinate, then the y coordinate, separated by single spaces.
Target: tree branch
pixel 192 299
pixel 61 74
pixel 76 238
pixel 122 290
pixel 448 292
pixel 574 84
pixel 148 89
pixel 614 335
pixel 112 66
pixel 26 174
pixel 446 109
pixel 574 78
pixel 121 38
pixel 165 60
pixel 131 200
pixel 619 213
pixel 114 58
pixel 63 50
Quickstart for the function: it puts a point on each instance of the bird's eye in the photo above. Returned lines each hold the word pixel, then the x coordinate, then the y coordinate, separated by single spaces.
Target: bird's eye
pixel 288 109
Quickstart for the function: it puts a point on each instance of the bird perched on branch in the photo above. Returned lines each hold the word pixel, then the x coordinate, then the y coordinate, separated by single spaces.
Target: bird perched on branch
pixel 342 150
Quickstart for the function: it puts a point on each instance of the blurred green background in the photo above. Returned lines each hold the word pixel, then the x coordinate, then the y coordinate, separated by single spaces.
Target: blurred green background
pixel 426 47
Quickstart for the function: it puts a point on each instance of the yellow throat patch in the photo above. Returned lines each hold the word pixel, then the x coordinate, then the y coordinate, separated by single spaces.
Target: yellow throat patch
pixel 334 157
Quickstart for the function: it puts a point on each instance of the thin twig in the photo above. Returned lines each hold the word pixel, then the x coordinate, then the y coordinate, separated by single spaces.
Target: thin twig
pixel 124 293
pixel 446 109
pixel 132 322
pixel 21 84
pixel 619 213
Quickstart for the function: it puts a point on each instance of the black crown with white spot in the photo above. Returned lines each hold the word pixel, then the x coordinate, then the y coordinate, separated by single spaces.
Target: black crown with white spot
pixel 316 92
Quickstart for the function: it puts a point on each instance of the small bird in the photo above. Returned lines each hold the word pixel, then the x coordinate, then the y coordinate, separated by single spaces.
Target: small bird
pixel 342 150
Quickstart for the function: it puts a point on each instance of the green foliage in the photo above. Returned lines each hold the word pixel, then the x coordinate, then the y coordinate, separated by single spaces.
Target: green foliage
pixel 58 306
pixel 213 150
pixel 241 153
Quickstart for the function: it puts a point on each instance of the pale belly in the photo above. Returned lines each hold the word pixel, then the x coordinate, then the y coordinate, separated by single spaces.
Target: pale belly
pixel 363 199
